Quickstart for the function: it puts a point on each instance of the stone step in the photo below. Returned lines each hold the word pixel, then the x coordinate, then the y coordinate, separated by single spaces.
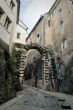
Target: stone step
pixel 21 72
pixel 46 69
pixel 22 63
pixel 22 69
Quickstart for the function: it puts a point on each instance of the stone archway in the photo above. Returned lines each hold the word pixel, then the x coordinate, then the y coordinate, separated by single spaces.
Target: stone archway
pixel 48 79
pixel 33 69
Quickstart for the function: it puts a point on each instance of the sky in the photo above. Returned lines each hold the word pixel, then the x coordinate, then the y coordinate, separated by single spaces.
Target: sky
pixel 31 10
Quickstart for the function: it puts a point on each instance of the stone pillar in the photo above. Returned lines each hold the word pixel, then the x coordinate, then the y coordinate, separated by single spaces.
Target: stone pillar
pixel 53 73
pixel 45 75
pixel 22 66
pixel 48 80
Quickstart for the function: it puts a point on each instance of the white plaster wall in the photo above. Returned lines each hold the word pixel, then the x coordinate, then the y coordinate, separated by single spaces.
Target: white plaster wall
pixel 23 34
pixel 5 34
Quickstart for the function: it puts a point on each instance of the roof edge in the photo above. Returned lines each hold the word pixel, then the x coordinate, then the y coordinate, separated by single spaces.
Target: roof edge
pixel 23 24
pixel 41 17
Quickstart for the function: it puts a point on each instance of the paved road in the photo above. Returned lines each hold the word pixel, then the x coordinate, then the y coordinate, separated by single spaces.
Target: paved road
pixel 33 99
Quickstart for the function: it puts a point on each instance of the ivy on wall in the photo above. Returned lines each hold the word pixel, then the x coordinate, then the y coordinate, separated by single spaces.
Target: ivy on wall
pixel 7 90
pixel 16 65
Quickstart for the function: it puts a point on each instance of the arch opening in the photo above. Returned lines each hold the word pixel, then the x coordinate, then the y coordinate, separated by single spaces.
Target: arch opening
pixel 33 68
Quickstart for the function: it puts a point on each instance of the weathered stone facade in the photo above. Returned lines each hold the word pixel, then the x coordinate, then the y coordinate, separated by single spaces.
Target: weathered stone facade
pixel 55 28
pixel 62 36
pixel 61 28
pixel 40 33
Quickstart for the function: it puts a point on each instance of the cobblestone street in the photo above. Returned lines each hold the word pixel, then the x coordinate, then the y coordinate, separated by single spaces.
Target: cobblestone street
pixel 33 99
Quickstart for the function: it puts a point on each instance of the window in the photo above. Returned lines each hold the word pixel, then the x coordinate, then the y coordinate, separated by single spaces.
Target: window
pixel 1 12
pixel 12 4
pixel 64 44
pixel 49 23
pixel 62 26
pixel 71 1
pixel 60 13
pixel 18 35
pixel 7 23
pixel 38 35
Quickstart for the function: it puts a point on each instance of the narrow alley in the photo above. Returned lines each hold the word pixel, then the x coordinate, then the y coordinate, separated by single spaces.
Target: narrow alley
pixel 36 54
pixel 34 99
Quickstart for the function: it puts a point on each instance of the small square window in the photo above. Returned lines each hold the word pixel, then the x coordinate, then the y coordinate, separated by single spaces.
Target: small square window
pixel 7 23
pixel 18 35
pixel 49 23
pixel 60 10
pixel 38 35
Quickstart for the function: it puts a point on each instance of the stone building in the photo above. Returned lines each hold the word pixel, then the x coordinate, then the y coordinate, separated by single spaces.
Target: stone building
pixel 61 27
pixel 12 31
pixel 9 16
pixel 19 35
pixel 40 32
pixel 11 28
pixel 55 29
pixel 62 36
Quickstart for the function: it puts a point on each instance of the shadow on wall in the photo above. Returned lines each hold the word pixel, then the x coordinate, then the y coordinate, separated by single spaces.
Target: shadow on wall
pixel 64 75
pixel 28 71
pixel 67 84
pixel 7 90
pixel 34 69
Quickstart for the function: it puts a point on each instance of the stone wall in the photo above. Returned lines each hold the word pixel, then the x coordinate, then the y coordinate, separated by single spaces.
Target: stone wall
pixel 62 14
pixel 62 37
pixel 57 30
pixel 7 90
